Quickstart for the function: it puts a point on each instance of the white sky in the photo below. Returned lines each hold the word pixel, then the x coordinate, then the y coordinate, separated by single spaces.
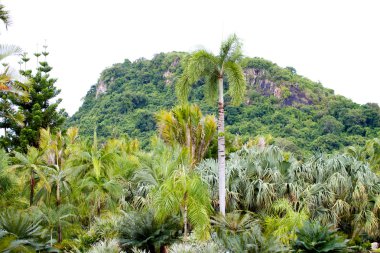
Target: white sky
pixel 334 41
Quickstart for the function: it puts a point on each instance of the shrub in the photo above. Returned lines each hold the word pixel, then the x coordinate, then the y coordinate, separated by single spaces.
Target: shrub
pixel 110 246
pixel 141 230
pixel 313 237
pixel 239 232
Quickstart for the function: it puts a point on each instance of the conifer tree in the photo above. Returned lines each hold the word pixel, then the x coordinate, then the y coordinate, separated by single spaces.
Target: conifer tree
pixel 40 111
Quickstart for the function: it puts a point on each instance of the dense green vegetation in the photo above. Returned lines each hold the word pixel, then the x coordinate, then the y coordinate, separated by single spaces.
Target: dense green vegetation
pixel 114 194
pixel 300 114
pixel 102 191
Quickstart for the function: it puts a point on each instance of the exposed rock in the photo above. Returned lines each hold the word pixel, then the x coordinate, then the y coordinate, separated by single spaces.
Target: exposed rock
pixel 175 62
pixel 168 77
pixel 277 92
pixel 250 76
pixel 100 88
pixel 257 78
pixel 267 87
pixel 297 96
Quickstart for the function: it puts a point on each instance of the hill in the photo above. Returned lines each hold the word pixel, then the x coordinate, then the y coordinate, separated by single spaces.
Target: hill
pixel 300 114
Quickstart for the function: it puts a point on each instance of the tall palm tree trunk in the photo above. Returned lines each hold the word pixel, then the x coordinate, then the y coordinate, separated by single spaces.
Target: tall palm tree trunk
pixel 151 248
pixel 221 150
pixel 58 196
pixel 51 237
pixel 58 206
pixel 189 144
pixel 164 249
pixel 32 183
pixel 98 208
pixel 185 232
pixel 59 232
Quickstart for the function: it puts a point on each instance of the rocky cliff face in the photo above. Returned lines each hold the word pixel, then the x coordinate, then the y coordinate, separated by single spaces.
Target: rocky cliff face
pixel 289 93
pixel 101 88
pixel 170 74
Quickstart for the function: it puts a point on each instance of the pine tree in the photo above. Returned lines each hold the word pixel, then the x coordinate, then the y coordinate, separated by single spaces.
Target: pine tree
pixel 40 111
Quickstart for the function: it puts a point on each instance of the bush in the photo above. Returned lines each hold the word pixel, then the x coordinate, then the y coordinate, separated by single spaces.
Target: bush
pixel 238 232
pixel 194 246
pixel 313 237
pixel 21 233
pixel 141 230
pixel 110 246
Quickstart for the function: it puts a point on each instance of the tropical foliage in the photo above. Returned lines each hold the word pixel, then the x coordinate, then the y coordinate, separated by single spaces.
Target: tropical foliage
pixel 95 189
pixel 20 233
pixel 143 231
pixel 270 196
pixel 185 125
pixel 316 238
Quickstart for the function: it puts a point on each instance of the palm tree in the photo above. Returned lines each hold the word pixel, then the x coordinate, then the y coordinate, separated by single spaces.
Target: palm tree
pixel 5 182
pixel 154 168
pixel 31 161
pixel 10 87
pixel 55 219
pixel 55 185
pixel 203 64
pixel 9 50
pixel 6 83
pixel 57 150
pixel 101 190
pixel 97 166
pixel 185 193
pixel 370 153
pixel 186 126
pixel 53 157
pixel 4 15
pixel 99 159
pixel 5 51
pixel 56 153
pixel 9 115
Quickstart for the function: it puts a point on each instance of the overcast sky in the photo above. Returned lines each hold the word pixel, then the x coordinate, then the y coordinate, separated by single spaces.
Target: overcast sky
pixel 334 42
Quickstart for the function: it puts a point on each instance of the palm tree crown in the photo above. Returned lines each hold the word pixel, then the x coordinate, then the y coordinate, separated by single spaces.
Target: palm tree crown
pixel 205 65
pixel 185 125
pixel 4 16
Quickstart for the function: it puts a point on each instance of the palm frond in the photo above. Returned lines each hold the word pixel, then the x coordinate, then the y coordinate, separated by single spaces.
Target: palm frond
pixel 211 87
pixel 230 49
pixel 4 16
pixel 199 65
pixel 236 81
pixel 8 50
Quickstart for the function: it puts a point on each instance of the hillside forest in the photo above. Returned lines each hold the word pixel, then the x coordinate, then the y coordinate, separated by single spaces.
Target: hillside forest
pixel 185 152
